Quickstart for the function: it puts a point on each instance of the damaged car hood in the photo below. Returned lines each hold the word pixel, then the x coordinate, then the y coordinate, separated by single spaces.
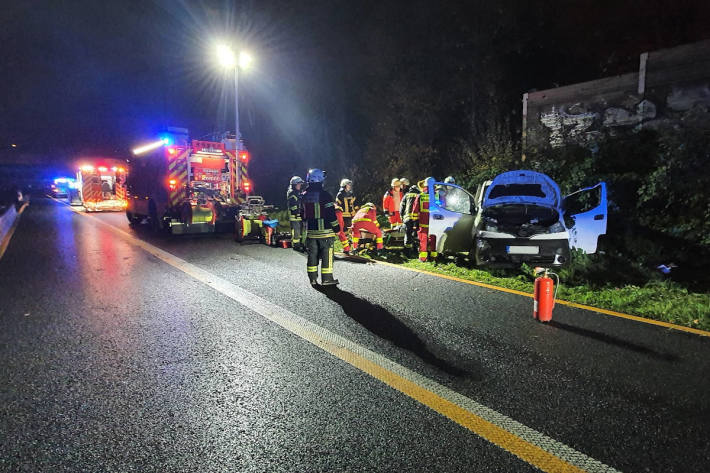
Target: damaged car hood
pixel 526 188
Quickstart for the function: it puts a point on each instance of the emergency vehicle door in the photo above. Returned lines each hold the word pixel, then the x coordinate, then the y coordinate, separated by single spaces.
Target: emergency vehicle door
pixel 585 215
pixel 451 215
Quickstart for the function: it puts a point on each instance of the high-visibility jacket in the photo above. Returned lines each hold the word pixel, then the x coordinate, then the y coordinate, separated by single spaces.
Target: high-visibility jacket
pixel 366 214
pixel 318 211
pixel 406 208
pixel 421 207
pixel 390 203
pixel 345 200
pixel 293 201
pixel 366 219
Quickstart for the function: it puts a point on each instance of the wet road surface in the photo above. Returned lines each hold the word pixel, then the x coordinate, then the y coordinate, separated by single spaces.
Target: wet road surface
pixel 115 359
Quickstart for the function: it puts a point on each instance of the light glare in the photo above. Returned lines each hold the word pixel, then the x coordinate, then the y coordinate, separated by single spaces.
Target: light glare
pixel 148 147
pixel 245 60
pixel 226 56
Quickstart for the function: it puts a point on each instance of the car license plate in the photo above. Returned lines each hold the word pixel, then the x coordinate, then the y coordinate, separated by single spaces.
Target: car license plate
pixel 522 250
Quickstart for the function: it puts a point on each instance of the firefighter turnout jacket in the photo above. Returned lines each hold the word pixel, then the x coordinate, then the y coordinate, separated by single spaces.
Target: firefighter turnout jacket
pixel 345 200
pixel 406 208
pixel 293 199
pixel 318 211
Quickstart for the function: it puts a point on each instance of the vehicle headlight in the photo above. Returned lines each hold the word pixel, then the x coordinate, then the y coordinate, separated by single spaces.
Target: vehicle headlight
pixel 556 228
pixel 490 225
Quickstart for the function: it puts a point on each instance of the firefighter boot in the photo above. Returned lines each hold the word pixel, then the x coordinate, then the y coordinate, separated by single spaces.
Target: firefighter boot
pixel 328 280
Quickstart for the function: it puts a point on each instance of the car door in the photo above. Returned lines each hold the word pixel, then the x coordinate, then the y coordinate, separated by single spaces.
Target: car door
pixel 585 216
pixel 451 215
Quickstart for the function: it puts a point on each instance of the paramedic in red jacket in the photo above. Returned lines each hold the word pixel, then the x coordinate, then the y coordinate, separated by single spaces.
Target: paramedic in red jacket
pixel 391 202
pixel 365 219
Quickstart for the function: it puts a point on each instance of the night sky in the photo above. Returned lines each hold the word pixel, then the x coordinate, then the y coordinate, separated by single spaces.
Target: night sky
pixel 97 78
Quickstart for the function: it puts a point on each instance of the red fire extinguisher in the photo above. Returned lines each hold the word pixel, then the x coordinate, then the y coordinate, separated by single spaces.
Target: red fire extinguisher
pixel 545 295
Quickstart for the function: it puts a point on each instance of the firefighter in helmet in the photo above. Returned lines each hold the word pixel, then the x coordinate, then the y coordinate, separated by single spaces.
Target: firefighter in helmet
pixel 365 219
pixel 421 207
pixel 345 200
pixel 392 200
pixel 410 216
pixel 293 199
pixel 318 213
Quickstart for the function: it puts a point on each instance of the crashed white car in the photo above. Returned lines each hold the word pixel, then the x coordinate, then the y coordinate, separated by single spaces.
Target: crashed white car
pixel 517 217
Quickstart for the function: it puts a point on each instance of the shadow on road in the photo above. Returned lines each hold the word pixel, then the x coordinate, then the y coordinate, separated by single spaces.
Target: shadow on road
pixel 385 325
pixel 602 337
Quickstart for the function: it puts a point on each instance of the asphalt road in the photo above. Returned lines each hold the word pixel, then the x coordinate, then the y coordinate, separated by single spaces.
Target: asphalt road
pixel 115 359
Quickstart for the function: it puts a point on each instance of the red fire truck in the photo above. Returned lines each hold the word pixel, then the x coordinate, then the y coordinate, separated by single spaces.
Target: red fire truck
pixel 187 186
pixel 102 184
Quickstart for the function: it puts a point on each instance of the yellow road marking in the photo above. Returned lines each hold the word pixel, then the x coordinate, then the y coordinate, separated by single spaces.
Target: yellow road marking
pixel 522 449
pixel 635 318
pixel 527 444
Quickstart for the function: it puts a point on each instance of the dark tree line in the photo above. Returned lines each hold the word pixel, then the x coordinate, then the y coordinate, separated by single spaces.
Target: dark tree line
pixel 421 88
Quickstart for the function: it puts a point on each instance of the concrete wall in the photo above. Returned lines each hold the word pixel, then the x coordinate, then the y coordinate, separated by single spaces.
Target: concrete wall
pixel 671 89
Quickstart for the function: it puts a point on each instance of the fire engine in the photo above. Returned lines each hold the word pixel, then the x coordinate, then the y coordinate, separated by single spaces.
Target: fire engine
pixel 185 186
pixel 102 184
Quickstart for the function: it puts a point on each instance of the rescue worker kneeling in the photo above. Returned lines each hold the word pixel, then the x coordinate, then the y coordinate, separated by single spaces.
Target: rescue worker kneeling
pixel 318 211
pixel 365 219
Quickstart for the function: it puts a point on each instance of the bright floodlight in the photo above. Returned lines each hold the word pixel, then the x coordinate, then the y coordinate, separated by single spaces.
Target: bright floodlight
pixel 148 147
pixel 226 56
pixel 245 60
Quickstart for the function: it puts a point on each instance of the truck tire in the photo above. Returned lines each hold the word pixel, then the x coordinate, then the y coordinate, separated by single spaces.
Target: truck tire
pixel 132 219
pixel 238 237
pixel 156 225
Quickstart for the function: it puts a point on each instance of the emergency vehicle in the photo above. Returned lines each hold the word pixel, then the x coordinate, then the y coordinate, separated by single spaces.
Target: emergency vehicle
pixel 185 186
pixel 101 184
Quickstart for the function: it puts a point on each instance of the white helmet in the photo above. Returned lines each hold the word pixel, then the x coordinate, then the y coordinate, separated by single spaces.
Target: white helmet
pixel 404 181
pixel 296 180
pixel 346 182
pixel 395 182
pixel 450 180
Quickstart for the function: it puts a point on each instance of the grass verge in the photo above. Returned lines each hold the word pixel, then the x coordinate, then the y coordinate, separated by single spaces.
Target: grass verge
pixel 658 300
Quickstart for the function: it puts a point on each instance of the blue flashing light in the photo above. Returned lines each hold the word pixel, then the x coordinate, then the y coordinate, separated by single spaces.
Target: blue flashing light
pixel 167 140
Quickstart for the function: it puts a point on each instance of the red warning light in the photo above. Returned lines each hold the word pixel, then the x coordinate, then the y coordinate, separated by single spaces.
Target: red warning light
pixel 172 184
pixel 244 156
pixel 247 186
pixel 171 151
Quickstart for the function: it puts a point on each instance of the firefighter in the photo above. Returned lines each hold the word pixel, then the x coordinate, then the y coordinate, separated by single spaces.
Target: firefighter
pixel 405 184
pixel 342 234
pixel 421 206
pixel 391 201
pixel 345 200
pixel 318 212
pixel 365 219
pixel 410 216
pixel 293 200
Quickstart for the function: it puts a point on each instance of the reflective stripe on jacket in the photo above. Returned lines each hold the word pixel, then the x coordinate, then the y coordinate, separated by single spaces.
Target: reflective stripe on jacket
pixel 345 201
pixel 318 211
pixel 366 215
pixel 293 204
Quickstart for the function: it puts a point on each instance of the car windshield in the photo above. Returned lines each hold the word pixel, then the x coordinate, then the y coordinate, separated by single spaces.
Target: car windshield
pixel 453 198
